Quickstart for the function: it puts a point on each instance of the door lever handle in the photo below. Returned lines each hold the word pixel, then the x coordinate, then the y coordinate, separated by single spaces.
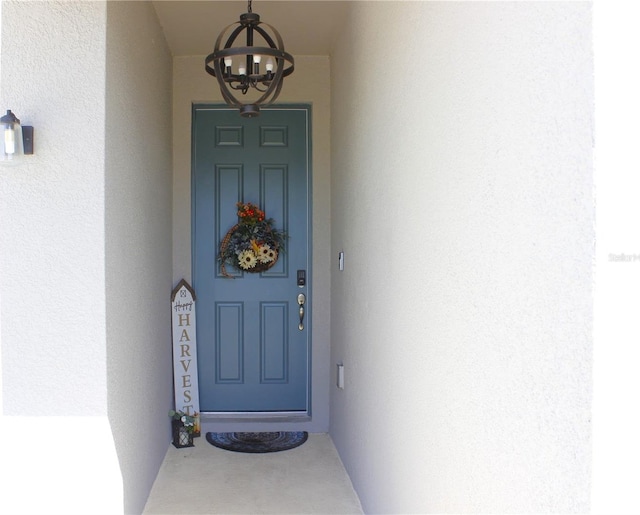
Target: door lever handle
pixel 301 301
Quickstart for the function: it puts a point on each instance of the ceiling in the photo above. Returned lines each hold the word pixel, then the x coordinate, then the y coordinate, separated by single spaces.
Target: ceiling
pixel 306 27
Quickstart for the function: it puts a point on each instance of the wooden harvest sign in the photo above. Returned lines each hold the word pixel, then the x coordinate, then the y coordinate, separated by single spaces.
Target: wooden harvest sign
pixel 185 363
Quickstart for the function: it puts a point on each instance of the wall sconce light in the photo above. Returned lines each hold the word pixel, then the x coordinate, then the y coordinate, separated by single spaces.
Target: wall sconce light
pixel 15 140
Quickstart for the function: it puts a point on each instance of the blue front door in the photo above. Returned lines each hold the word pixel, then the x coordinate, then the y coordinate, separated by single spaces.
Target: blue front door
pixel 253 349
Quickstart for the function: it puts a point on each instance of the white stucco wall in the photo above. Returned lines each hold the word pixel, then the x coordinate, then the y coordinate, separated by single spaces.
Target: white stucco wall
pixel 52 277
pixel 462 198
pixel 52 212
pixel 308 84
pixel 138 182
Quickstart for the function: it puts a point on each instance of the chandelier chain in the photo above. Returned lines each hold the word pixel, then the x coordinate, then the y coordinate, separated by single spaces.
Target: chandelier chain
pixel 249 6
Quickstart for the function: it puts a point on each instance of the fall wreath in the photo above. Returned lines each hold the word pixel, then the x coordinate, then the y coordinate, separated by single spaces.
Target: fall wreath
pixel 253 244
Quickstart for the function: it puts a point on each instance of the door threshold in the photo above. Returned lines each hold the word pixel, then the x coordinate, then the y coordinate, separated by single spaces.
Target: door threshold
pixel 254 416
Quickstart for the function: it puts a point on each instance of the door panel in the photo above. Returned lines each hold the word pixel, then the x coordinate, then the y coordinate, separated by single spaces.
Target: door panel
pixel 252 356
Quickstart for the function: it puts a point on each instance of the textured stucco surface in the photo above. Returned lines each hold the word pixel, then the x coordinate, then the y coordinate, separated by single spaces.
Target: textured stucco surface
pixel 86 238
pixel 55 438
pixel 464 207
pixel 308 84
pixel 138 243
pixel 52 211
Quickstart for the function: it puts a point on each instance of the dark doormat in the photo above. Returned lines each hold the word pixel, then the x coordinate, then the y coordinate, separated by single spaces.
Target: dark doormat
pixel 258 442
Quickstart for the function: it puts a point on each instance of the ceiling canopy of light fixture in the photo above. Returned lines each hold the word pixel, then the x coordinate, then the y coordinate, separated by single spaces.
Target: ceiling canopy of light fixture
pixel 257 69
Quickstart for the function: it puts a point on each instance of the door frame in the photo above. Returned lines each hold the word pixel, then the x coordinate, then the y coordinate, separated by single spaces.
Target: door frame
pixel 279 416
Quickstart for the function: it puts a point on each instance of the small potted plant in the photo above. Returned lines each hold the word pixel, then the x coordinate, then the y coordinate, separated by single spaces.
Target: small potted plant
pixel 182 428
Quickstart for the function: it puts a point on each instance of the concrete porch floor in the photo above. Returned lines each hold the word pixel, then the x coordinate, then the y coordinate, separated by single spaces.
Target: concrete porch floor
pixel 203 479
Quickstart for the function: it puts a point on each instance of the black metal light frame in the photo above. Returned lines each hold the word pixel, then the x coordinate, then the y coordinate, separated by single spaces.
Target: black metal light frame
pixel 268 83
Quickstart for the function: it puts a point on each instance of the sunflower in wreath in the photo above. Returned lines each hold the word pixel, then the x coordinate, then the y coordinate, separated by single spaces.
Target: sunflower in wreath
pixel 253 244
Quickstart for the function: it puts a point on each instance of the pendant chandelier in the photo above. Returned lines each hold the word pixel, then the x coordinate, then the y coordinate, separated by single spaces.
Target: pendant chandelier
pixel 257 69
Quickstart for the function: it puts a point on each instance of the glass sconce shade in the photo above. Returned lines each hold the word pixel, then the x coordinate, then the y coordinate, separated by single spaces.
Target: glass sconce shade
pixel 11 138
pixel 15 140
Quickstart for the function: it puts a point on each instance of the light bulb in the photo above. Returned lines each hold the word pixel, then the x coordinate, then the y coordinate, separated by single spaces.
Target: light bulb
pixel 257 59
pixel 228 62
pixel 269 65
pixel 9 141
